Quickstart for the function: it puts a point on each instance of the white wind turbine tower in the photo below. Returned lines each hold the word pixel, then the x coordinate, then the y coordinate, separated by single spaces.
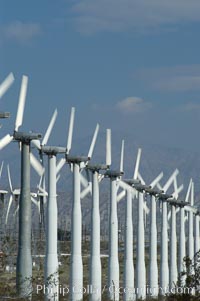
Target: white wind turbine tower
pixel 182 240
pixel 113 264
pixel 164 265
pixel 153 271
pixel 24 259
pixel 153 264
pixel 77 163
pixel 128 257
pixel 196 238
pixel 193 239
pixel 191 226
pixel 140 264
pixel 95 260
pixel 173 272
pixel 51 258
pixel 129 267
pixel 128 248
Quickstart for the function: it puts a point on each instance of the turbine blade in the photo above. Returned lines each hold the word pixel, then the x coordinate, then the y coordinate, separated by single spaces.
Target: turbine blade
pixel 140 178
pixel 192 194
pixel 70 131
pixel 188 192
pixel 40 183
pixel 8 209
pixel 175 188
pixel 58 178
pixel 16 210
pixel 21 104
pixel 34 201
pixel 108 147
pixel 170 180
pixel 93 142
pixel 5 85
pixel 87 190
pixel 122 157
pixel 42 190
pixel 146 209
pixel 121 195
pixel 178 190
pixel 100 178
pixel 36 165
pixel 137 164
pixel 83 180
pixel 190 209
pixel 125 186
pixel 5 141
pixel 88 175
pixel 60 165
pixel 1 168
pixel 9 178
pixel 36 143
pixel 159 186
pixel 156 180
pixel 169 215
pixel 50 127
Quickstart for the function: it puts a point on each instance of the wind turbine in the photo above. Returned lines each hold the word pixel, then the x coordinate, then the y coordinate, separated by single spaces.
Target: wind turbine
pixel 196 238
pixel 173 272
pixel 153 265
pixel 164 265
pixel 77 163
pixel 95 261
pixel 14 193
pixel 191 226
pixel 193 239
pixel 51 258
pixel 140 264
pixel 113 264
pixel 42 194
pixel 24 259
pixel 128 186
pixel 128 248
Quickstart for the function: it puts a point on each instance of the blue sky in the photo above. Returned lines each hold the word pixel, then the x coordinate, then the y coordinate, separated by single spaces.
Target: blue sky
pixel 132 65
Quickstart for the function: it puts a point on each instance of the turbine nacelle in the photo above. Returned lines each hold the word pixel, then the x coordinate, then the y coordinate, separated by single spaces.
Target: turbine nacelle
pixel 53 150
pixel 175 202
pixel 26 137
pixel 76 159
pixel 113 174
pixel 97 167
pixel 132 181
pixel 154 192
pixel 164 196
pixel 141 187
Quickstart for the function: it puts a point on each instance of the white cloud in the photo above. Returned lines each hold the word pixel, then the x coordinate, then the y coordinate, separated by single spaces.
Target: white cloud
pixel 20 32
pixel 91 16
pixel 171 79
pixel 132 105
